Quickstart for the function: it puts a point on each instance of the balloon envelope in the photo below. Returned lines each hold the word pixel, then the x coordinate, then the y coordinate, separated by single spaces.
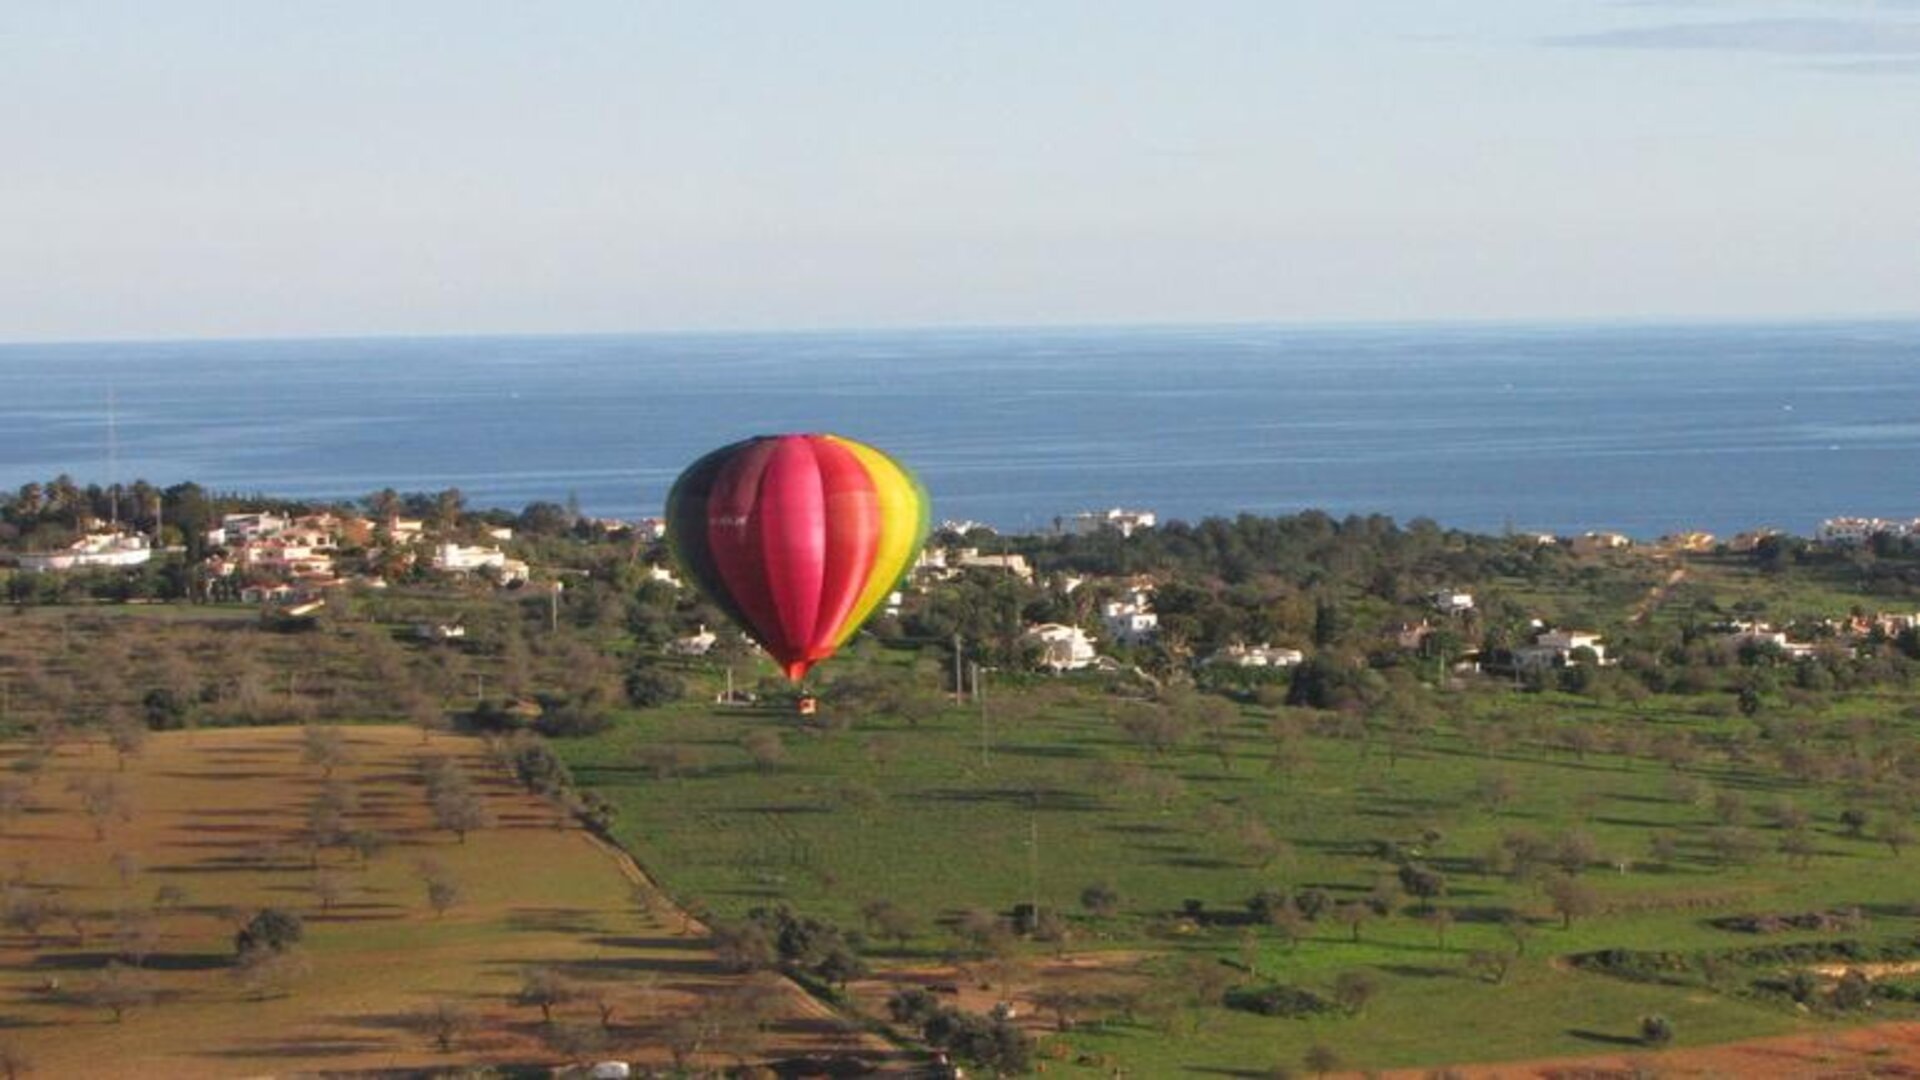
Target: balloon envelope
pixel 798 537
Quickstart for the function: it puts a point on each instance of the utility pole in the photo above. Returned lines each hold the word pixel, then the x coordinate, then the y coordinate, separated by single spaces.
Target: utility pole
pixel 982 699
pixel 959 685
pixel 1033 865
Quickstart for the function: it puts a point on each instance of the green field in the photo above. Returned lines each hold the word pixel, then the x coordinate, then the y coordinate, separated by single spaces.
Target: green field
pixel 943 815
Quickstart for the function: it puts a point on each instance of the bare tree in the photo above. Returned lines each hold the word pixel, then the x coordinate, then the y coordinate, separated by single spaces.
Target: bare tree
pixel 545 988
pixel 324 747
pixel 104 799
pixel 119 989
pixel 265 973
pixel 445 1021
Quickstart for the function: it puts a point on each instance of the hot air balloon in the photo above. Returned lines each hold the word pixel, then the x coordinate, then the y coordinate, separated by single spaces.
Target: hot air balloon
pixel 797 537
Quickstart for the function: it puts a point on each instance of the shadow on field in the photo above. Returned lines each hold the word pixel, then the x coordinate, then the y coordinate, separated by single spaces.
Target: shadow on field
pixel 1603 1037
pixel 1420 971
pixel 95 961
pixel 608 941
pixel 605 967
pixel 1034 798
pixel 553 920
pixel 302 1048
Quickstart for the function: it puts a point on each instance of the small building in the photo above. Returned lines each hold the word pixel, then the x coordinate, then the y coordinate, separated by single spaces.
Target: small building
pixel 973 559
pixel 1258 656
pixel 1062 647
pixel 237 529
pixel 699 644
pixel 1123 521
pixel 1593 543
pixel 1557 647
pixel 1747 541
pixel 1691 540
pixel 1450 602
pixel 454 558
pixel 93 551
pixel 1130 620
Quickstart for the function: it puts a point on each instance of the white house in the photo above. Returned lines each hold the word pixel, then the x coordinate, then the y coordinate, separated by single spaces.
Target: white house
pixel 699 644
pixel 455 559
pixel 1760 635
pixel 1062 647
pixel 1130 619
pixel 1556 647
pixel 1262 655
pixel 236 529
pixel 96 550
pixel 1448 602
pixel 1595 542
pixel 972 559
pixel 1120 520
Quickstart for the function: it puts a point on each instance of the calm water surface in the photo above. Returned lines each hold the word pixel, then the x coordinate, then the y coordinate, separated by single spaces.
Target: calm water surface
pixel 1644 429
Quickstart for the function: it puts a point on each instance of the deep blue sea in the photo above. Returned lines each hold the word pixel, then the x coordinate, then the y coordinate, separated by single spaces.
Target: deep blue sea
pixel 1642 429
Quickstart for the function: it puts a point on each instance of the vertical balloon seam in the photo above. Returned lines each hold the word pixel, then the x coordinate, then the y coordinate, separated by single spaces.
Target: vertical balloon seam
pixel 854 529
pixel 733 538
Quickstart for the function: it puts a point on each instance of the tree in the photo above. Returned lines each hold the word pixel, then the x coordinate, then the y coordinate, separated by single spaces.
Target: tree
pixel 1352 990
pixel 1570 897
pixel 765 747
pixel 323 747
pixel 573 1040
pixel 1321 1059
pixel 1353 915
pixel 442 894
pixel 104 799
pixel 119 989
pixel 650 686
pixel 544 988
pixel 1490 964
pixel 445 1022
pixel 271 929
pixel 264 973
pixel 888 920
pixel 1656 1030
pixel 1894 832
pixel 1100 898
pixel 127 737
pixel 460 812
pixel 329 888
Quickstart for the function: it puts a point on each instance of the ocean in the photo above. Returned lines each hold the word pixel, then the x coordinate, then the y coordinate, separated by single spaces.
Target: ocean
pixel 1643 429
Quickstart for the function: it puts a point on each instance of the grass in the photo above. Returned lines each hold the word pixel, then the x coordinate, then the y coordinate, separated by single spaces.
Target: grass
pixel 534 891
pixel 914 814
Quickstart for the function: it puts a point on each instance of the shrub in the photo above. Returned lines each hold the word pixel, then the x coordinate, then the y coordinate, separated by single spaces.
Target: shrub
pixel 1277 999
pixel 1656 1030
pixel 271 929
pixel 572 720
pixel 650 687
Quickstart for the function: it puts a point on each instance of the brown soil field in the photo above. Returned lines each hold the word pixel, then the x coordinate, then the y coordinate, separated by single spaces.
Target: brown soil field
pixel 1885 1050
pixel 202 829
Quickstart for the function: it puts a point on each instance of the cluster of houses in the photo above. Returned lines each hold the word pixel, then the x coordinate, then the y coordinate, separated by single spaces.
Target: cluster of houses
pixel 1860 530
pixel 277 559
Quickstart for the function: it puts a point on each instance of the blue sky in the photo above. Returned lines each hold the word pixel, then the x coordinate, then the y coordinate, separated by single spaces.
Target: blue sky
pixel 188 169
